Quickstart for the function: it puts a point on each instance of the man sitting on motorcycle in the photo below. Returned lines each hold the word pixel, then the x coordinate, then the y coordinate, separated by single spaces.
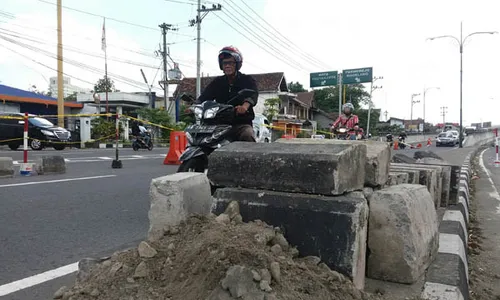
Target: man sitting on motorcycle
pixel 139 134
pixel 348 120
pixel 227 86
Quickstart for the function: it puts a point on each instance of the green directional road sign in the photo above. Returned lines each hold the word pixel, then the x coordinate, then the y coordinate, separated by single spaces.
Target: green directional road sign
pixel 323 79
pixel 357 76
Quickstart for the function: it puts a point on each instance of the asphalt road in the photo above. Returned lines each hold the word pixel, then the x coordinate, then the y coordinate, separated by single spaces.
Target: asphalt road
pixel 48 225
pixel 93 210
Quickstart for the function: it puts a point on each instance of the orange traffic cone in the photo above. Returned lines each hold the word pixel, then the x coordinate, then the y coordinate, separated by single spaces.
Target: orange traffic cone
pixel 396 146
pixel 429 142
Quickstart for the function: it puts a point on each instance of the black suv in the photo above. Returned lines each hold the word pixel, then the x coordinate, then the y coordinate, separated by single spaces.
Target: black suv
pixel 41 132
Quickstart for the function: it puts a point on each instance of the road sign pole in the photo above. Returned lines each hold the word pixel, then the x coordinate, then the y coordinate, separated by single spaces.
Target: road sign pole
pixel 340 93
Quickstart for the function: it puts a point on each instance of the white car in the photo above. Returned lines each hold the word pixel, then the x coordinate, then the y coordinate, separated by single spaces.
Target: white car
pixel 261 129
pixel 455 135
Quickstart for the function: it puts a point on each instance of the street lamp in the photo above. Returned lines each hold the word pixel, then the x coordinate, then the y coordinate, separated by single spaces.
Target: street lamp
pixel 461 42
pixel 423 100
pixel 372 88
pixel 413 102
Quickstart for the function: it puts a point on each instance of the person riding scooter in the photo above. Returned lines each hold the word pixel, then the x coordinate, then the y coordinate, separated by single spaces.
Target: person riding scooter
pixel 140 133
pixel 349 121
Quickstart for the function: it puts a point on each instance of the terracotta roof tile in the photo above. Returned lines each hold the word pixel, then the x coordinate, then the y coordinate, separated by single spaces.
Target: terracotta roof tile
pixel 306 97
pixel 265 82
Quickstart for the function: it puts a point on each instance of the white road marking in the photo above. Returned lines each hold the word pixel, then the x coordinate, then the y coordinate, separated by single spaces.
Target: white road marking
pixel 55 181
pixel 101 158
pixel 28 282
pixel 494 194
pixel 105 158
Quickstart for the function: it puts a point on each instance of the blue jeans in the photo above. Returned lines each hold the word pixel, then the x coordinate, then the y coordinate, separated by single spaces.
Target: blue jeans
pixel 352 137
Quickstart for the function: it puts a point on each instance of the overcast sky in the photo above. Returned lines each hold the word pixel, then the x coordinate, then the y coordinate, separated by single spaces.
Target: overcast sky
pixel 275 36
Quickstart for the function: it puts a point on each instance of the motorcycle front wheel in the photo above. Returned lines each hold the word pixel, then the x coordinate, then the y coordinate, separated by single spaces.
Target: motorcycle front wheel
pixel 195 164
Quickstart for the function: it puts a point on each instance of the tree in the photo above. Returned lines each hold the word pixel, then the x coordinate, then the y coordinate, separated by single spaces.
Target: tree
pixel 104 85
pixel 157 116
pixel 363 119
pixel 186 115
pixel 71 97
pixel 327 99
pixel 271 108
pixel 296 87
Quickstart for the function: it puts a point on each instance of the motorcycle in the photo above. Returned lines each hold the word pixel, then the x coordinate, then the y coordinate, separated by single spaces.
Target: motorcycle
pixel 139 143
pixel 342 133
pixel 214 122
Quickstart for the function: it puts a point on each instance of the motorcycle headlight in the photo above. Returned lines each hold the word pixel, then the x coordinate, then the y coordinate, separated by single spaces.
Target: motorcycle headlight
pixel 48 133
pixel 198 112
pixel 210 113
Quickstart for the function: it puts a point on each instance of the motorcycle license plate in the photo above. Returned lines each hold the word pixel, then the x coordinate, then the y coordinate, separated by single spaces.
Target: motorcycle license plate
pixel 201 128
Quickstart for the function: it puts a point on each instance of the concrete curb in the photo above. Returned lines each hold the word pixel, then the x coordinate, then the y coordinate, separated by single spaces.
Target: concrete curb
pixel 448 276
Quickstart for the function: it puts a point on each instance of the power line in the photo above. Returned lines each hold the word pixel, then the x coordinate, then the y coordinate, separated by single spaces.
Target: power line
pixel 297 67
pixel 269 34
pixel 92 69
pixel 279 33
pixel 108 18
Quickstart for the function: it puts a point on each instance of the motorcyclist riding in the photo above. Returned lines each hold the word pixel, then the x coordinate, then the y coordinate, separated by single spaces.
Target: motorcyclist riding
pixel 138 133
pixel 348 120
pixel 227 86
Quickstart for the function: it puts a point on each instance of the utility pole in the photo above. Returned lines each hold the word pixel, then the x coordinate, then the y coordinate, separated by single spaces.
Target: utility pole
pixel 151 101
pixel 370 104
pixel 444 111
pixel 411 111
pixel 60 80
pixel 197 21
pixel 165 28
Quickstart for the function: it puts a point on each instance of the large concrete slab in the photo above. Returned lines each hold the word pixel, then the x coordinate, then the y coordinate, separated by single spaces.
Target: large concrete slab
pixel 331 169
pixel 428 177
pixel 332 228
pixel 378 156
pixel 403 233
pixel 174 198
pixel 51 165
pixel 6 167
pixel 396 178
pixel 446 177
pixel 413 175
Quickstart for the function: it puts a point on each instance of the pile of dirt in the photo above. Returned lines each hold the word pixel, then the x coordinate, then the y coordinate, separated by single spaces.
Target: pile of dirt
pixel 213 258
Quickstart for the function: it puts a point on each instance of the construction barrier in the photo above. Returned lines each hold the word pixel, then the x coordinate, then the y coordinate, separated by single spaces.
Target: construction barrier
pixel 178 142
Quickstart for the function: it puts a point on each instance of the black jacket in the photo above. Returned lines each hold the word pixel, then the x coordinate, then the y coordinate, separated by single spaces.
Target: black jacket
pixel 222 91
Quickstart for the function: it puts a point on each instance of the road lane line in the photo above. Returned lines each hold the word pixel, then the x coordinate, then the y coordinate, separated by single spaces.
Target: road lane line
pixel 494 194
pixel 55 181
pixel 28 282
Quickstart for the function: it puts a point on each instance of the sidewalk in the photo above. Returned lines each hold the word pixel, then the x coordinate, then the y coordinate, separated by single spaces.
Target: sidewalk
pixel 484 230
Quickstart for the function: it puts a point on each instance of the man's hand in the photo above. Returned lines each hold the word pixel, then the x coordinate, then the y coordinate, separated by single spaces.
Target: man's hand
pixel 242 109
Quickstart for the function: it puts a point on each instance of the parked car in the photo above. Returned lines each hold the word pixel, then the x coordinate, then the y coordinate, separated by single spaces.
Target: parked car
pixel 41 132
pixel 261 129
pixel 446 139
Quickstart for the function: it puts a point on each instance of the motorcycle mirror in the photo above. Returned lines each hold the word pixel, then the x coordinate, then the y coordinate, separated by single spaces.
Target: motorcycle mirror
pixel 246 93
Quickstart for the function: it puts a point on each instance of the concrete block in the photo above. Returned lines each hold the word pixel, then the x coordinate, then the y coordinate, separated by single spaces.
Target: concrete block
pixel 378 157
pixel 303 168
pixel 403 159
pixel 174 198
pixel 51 165
pixel 446 183
pixel 428 177
pixel 413 175
pixel 6 167
pixel 396 178
pixel 403 233
pixel 332 228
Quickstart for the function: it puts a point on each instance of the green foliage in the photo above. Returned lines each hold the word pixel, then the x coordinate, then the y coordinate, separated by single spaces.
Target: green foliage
pixel 103 128
pixel 104 85
pixel 157 116
pixel 363 119
pixel 327 99
pixel 304 134
pixel 271 108
pixel 296 87
pixel 71 97
pixel 185 115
